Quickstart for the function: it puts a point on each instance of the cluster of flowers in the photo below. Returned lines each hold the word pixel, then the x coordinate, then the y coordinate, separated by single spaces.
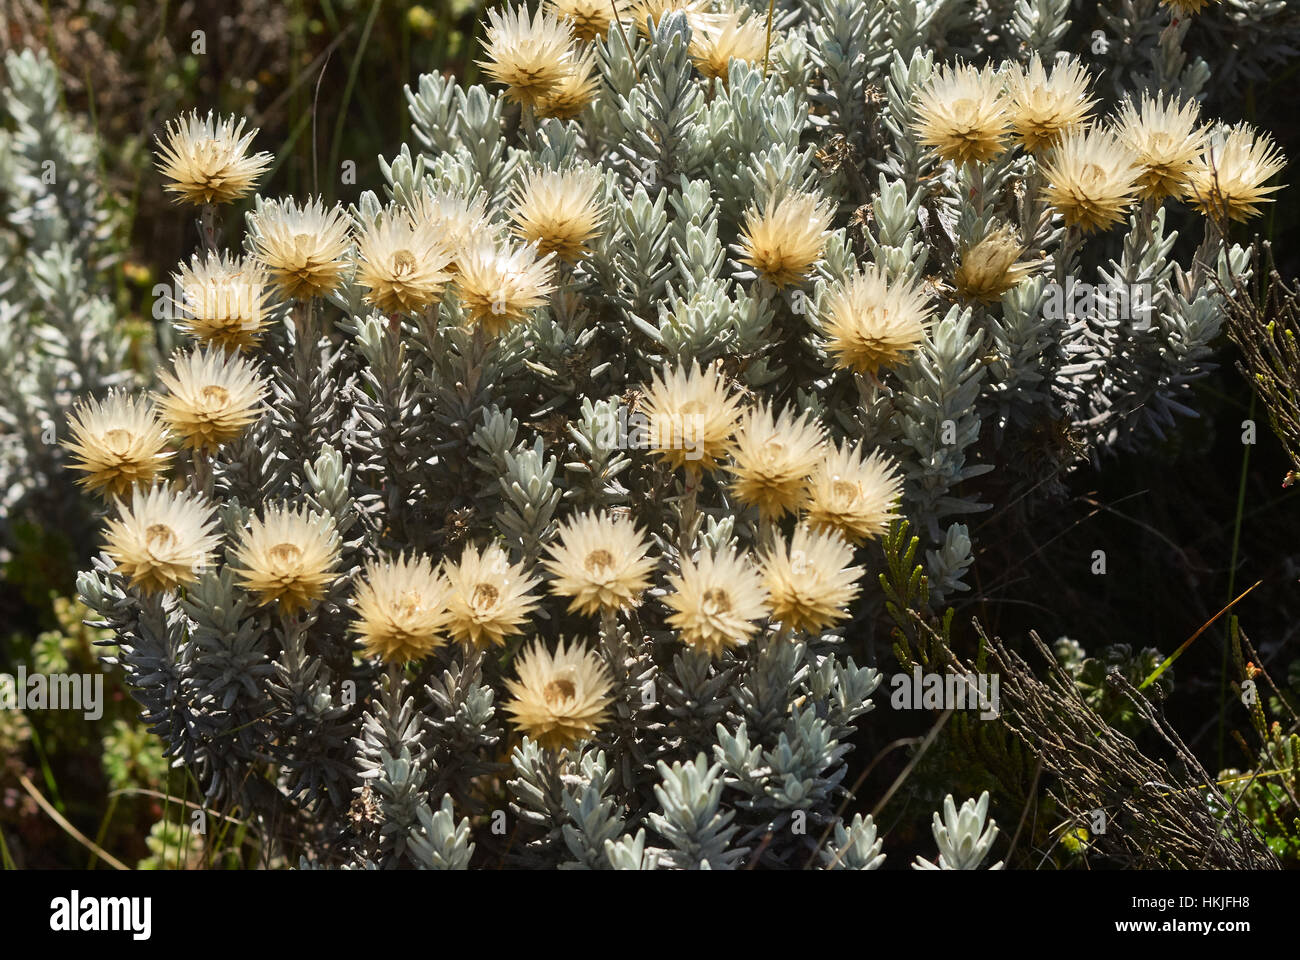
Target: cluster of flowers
pixel 1091 171
pixel 547 62
pixel 1095 171
pixel 162 537
pixel 409 259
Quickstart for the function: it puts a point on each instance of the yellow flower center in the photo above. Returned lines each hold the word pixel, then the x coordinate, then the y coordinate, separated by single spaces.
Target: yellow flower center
pixel 1091 175
pixel 411 603
pixel 304 246
pixel 159 537
pixel 598 561
pixel 485 595
pixel 118 440
pixel 403 262
pixel 214 397
pixel 844 491
pixel 558 691
pixel 209 156
pixel 285 555
pixel 715 600
pixel 965 110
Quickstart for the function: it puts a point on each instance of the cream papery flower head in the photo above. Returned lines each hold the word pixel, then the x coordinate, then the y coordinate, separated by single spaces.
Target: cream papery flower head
pixel 718 600
pixel 304 247
pixel 961 114
pixel 784 239
pixel 1167 139
pixel 989 268
pixel 600 563
pixel 870 322
pixel 560 698
pixel 207 161
pixel 733 35
pixel 811 580
pixel 559 212
pixel 529 55
pixel 403 263
pixel 696 12
pixel 499 282
pixel 288 556
pixel 118 444
pixel 1092 178
pixel 489 598
pixel 223 300
pixel 400 607
pixel 457 219
pixel 853 496
pixel 574 91
pixel 1040 107
pixel 588 18
pixel 1228 178
pixel 690 414
pixel 772 458
pixel 213 395
pixel 162 540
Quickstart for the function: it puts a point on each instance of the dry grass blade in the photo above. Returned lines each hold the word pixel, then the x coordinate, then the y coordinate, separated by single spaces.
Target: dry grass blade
pixel 68 828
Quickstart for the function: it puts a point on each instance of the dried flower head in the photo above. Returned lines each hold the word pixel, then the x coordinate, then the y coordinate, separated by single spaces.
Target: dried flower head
pixel 212 397
pixel 1187 7
pixel 574 91
pixel 811 580
pixel 458 220
pixel 733 35
pixel 558 211
pixel 853 496
pixel 588 18
pixel 223 300
pixel 871 323
pixel 643 12
pixel 404 264
pixel 1228 178
pixel 961 114
pixel 288 556
pixel 718 601
pixel 206 159
pixel 772 458
pixel 530 55
pixel 1167 139
pixel 401 606
pixel 600 563
pixel 162 540
pixel 690 415
pixel 989 268
pixel 1092 178
pixel 1042 107
pixel 304 247
pixel 119 443
pixel 560 698
pixel 498 283
pixel 783 240
pixel 489 599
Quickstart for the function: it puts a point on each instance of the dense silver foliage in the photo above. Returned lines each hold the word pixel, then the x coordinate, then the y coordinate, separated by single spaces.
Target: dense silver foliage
pixel 418 435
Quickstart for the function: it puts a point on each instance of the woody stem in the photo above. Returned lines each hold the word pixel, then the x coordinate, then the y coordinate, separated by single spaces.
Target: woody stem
pixel 689 512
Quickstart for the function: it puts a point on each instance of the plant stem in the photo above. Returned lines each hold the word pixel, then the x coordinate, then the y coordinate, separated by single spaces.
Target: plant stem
pixel 201 477
pixel 689 513
pixel 1232 585
pixel 208 227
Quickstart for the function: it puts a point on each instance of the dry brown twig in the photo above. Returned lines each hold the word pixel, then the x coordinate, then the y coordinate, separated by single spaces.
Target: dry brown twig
pixel 1156 816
